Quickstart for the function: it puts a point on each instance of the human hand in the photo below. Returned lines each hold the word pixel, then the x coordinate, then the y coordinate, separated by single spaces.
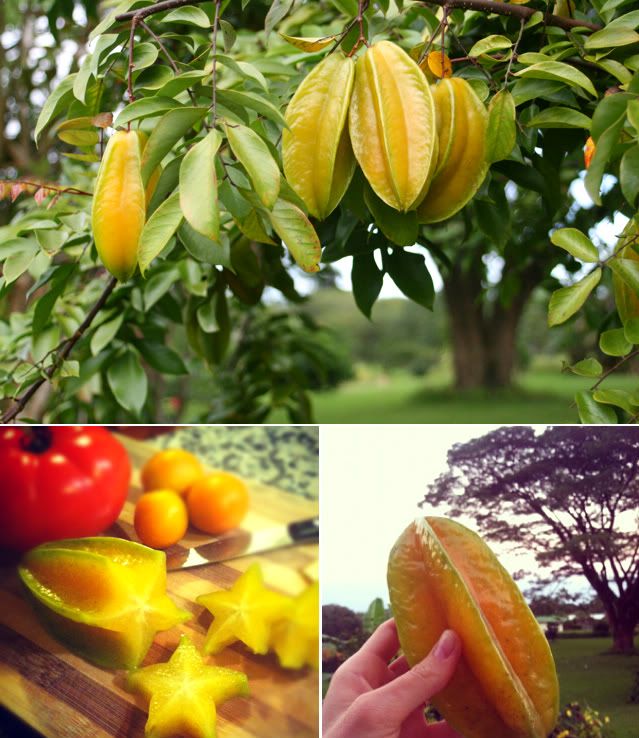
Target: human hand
pixel 367 698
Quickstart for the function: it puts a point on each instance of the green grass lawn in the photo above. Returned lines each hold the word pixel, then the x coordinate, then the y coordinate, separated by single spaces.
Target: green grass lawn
pixel 589 675
pixel 542 396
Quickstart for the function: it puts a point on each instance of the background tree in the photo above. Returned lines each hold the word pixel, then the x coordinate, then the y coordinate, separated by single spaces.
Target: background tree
pixel 569 494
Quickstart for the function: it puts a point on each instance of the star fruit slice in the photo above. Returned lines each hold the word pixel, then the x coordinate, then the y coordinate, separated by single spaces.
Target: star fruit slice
pixel 295 640
pixel 184 693
pixel 244 613
pixel 103 598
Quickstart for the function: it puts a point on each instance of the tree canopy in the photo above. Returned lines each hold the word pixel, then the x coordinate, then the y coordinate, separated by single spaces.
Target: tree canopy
pixel 570 494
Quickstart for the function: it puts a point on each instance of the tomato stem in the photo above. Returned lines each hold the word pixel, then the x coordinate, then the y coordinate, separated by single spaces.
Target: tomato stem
pixel 37 440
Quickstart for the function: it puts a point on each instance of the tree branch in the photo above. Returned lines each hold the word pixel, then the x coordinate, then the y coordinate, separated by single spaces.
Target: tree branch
pixel 516 11
pixel 160 7
pixel 19 403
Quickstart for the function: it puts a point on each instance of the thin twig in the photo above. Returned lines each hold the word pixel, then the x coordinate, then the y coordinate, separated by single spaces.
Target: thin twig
pixel 513 54
pixel 516 11
pixel 216 25
pixel 614 368
pixel 160 7
pixel 167 54
pixel 65 349
pixel 362 7
pixel 40 185
pixel 134 21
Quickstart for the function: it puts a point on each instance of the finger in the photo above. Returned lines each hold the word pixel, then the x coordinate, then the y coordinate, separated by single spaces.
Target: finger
pixel 410 690
pixel 399 666
pixel 384 643
pixel 415 725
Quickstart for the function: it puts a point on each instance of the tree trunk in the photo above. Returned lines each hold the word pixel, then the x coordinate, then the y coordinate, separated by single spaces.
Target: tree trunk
pixel 623 638
pixel 483 332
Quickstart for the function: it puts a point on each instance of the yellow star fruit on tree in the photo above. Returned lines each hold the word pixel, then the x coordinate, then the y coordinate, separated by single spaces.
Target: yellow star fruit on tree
pixel 244 613
pixel 295 640
pixel 184 693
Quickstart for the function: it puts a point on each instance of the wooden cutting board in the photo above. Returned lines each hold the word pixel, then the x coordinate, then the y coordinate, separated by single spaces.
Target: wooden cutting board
pixel 63 696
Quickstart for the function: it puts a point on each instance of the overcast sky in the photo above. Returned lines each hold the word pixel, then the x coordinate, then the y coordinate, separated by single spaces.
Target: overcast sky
pixel 372 478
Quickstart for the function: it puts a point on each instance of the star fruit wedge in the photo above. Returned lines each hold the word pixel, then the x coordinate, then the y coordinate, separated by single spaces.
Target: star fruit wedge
pixel 104 598
pixel 442 575
pixel 295 639
pixel 246 613
pixel 184 693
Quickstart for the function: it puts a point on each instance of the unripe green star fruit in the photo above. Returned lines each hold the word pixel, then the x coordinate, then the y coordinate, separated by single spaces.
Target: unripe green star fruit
pixel 119 205
pixel 462 121
pixel 392 124
pixel 316 152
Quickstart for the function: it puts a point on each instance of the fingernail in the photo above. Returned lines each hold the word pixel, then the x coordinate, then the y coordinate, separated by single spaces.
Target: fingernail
pixel 445 645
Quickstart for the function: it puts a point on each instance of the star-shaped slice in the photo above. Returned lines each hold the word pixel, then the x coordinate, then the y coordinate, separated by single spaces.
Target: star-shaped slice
pixel 184 692
pixel 295 640
pixel 244 613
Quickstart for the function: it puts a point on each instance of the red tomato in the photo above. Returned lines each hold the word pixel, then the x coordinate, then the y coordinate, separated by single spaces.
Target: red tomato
pixel 59 482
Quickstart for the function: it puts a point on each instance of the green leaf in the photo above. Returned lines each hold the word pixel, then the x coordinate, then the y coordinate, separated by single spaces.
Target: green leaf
pixel 253 101
pixel 191 15
pixel 144 55
pixel 528 89
pixel 161 357
pixel 408 271
pixel 603 151
pixel 297 233
pixel 566 301
pixel 559 117
pixel 105 333
pixel 631 330
pixel 558 71
pixel 168 131
pixel 198 186
pixel 109 19
pixel 367 280
pixel 54 104
pixel 158 285
pixel 144 108
pixel 258 161
pixel 488 44
pixel 400 228
pixel 203 249
pixel 45 304
pixel 128 382
pixel 18 263
pixel 69 368
pixel 610 38
pixel 587 368
pixel 82 78
pixel 628 270
pixel 576 243
pixel 158 230
pixel 614 342
pixel 228 34
pixel 629 174
pixel 501 133
pixel 633 114
pixel 309 44
pixel 278 10
pixel 79 138
pixel 616 397
pixel 591 412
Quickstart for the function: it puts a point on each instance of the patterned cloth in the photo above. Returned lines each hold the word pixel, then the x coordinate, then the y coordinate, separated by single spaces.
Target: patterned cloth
pixel 282 456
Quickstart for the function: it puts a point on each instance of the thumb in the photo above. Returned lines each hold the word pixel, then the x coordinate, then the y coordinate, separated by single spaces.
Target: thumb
pixel 401 696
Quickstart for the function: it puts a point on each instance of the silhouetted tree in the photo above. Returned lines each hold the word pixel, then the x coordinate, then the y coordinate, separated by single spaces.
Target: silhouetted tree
pixel 569 494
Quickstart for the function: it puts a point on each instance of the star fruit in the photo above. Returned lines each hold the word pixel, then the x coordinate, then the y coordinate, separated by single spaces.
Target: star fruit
pixel 244 613
pixel 104 598
pixel 184 692
pixel 295 640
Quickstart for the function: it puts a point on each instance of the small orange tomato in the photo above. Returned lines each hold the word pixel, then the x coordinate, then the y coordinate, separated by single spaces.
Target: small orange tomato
pixel 218 502
pixel 173 468
pixel 161 518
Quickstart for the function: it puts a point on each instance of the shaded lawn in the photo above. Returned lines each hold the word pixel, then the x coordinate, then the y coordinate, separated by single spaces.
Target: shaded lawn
pixel 539 397
pixel 590 676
